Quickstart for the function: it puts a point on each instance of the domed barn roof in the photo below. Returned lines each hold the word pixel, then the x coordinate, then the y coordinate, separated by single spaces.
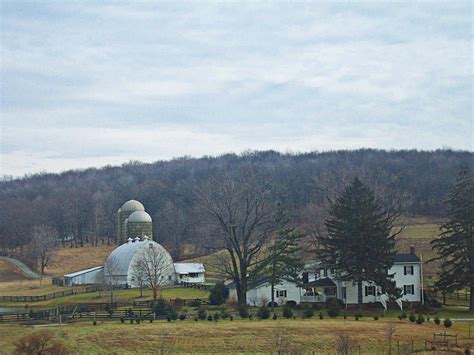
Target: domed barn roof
pixel 132 205
pixel 121 258
pixel 140 217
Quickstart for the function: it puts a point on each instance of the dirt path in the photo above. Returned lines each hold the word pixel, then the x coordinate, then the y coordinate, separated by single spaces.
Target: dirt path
pixel 27 272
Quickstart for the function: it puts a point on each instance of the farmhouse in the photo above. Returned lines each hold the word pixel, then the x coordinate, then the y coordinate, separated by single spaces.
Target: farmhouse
pixel 319 283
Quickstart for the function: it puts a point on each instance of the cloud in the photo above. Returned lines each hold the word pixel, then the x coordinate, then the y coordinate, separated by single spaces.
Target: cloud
pixel 208 78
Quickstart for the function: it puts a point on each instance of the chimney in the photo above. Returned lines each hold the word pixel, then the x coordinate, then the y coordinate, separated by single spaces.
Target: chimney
pixel 412 249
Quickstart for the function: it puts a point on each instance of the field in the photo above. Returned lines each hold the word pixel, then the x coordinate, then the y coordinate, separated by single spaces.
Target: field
pixel 225 336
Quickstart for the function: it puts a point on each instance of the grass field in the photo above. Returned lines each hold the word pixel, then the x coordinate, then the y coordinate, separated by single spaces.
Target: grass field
pixel 225 336
pixel 9 272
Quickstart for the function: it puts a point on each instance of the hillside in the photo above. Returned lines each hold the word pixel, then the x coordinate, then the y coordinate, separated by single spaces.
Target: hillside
pixel 82 205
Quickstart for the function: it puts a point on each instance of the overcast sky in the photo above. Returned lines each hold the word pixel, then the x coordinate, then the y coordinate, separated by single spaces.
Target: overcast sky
pixel 95 83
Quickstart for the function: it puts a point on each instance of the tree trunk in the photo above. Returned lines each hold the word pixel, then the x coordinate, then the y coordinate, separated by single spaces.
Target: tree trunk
pixel 471 301
pixel 359 294
pixel 155 293
pixel 141 291
pixel 242 291
pixel 273 296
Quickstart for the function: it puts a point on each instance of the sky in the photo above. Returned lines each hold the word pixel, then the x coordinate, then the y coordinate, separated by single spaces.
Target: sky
pixel 94 83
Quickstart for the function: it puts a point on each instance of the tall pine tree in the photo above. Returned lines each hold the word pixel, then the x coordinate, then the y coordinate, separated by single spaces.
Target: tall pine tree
pixel 360 238
pixel 455 245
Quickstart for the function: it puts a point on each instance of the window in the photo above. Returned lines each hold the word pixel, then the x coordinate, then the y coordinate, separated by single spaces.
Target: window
pixel 408 289
pixel 330 291
pixel 305 277
pixel 408 270
pixel 280 293
pixel 325 272
pixel 370 290
pixel 193 274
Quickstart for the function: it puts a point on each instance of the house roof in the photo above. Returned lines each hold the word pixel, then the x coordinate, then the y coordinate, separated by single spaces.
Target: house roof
pixel 407 258
pixel 186 268
pixel 326 282
pixel 81 272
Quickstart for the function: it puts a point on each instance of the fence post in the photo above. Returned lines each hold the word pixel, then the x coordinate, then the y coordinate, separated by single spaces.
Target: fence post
pixel 398 347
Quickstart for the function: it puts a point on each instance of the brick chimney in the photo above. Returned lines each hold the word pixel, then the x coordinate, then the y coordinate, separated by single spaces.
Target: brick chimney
pixel 412 249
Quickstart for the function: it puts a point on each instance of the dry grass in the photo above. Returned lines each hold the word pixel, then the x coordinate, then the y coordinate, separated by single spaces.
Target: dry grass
pixel 227 336
pixel 9 272
pixel 66 260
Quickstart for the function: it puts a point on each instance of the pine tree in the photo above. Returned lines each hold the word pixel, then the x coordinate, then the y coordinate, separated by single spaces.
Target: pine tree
pixel 360 238
pixel 284 263
pixel 455 245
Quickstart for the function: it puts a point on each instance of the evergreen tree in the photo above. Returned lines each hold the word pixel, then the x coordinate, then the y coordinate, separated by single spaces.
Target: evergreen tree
pixel 360 238
pixel 455 245
pixel 284 262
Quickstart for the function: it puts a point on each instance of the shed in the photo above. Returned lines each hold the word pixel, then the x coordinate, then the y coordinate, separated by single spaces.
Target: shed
pixel 190 272
pixel 83 277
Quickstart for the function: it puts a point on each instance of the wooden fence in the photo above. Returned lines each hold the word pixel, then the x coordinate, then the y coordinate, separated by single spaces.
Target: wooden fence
pixel 49 296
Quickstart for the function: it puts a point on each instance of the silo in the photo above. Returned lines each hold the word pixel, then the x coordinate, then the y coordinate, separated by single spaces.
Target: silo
pixel 139 224
pixel 126 210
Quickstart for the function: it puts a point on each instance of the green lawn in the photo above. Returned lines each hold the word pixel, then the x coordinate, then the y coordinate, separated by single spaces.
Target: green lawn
pixel 127 295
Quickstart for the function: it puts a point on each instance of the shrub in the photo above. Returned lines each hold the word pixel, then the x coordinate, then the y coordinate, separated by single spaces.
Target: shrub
pixel 225 314
pixel 218 294
pixel 291 304
pixel 196 318
pixel 321 316
pixel 177 304
pixel 94 322
pixel 138 320
pixel 151 320
pixel 40 342
pixel 161 307
pixel 333 312
pixel 216 317
pixel 182 316
pixel 250 316
pixel 287 312
pixel 202 314
pixel 275 316
pixel 376 317
pixel 356 317
pixel 334 303
pixel 447 323
pixel 122 320
pixel 168 319
pixel 231 317
pixel 404 315
pixel 274 304
pixel 308 312
pixel 437 321
pixel 345 316
pixel 196 303
pixel 263 313
pixel 131 321
pixel 209 318
pixel 400 317
pixel 412 318
pixel 173 314
pixel 420 319
pixel 243 311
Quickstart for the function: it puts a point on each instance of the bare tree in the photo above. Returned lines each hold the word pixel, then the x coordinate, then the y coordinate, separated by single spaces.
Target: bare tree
pixel 157 268
pixel 43 244
pixel 344 343
pixel 239 211
pixel 139 274
pixel 110 272
pixel 390 332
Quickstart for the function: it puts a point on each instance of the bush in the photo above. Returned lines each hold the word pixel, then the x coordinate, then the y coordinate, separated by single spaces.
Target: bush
pixel 243 311
pixel 420 319
pixel 437 321
pixel 216 317
pixel 94 322
pixel 291 304
pixel 138 320
pixel 412 318
pixel 161 307
pixel 231 317
pixel 447 323
pixel 333 312
pixel 218 294
pixel 196 318
pixel 40 342
pixel 356 317
pixel 209 318
pixel 225 314
pixel 274 304
pixel 196 303
pixel 376 317
pixel 263 313
pixel 287 312
pixel 177 304
pixel 182 316
pixel 334 303
pixel 275 316
pixel 308 312
pixel 345 316
pixel 173 314
pixel 122 320
pixel 151 320
pixel 321 316
pixel 400 317
pixel 202 314
pixel 404 315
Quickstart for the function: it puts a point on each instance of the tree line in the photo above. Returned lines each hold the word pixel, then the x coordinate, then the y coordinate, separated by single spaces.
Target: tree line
pixel 81 205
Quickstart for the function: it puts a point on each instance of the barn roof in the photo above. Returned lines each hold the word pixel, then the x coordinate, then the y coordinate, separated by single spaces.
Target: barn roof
pixel 186 268
pixel 81 272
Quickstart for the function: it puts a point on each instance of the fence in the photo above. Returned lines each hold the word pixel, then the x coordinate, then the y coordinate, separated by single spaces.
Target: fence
pixel 49 296
pixel 182 301
pixel 196 285
pixel 455 296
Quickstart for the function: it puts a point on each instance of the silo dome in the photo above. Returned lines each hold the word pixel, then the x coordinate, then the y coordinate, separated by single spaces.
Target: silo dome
pixel 139 217
pixel 132 205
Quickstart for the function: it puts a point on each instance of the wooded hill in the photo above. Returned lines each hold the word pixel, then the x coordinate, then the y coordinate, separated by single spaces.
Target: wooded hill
pixel 82 205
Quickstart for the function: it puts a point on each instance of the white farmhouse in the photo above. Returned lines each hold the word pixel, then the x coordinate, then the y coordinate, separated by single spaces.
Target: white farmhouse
pixel 320 283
